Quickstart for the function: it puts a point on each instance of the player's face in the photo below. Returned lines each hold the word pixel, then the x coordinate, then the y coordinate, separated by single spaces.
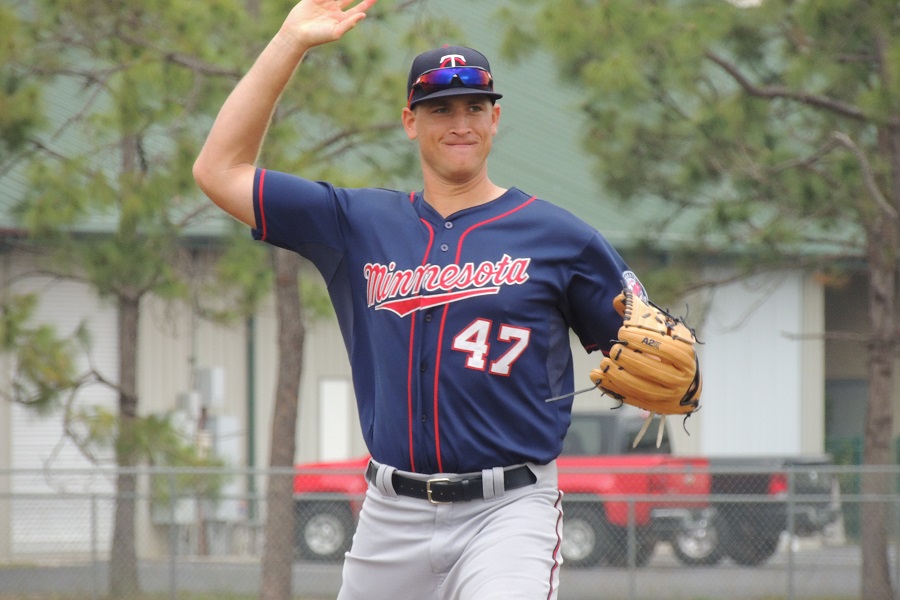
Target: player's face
pixel 455 135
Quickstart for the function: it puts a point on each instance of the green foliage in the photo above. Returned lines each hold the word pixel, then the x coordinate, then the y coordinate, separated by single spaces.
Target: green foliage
pixel 240 280
pixel 112 147
pixel 44 362
pixel 109 186
pixel 155 440
pixel 730 113
pixel 19 96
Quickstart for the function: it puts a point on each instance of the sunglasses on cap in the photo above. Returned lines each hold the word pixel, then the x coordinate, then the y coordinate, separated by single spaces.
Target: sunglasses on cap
pixel 442 78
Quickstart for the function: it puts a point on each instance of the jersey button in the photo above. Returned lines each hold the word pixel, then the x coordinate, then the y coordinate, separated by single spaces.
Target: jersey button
pixel 444 247
pixel 428 318
pixel 448 225
pixel 423 367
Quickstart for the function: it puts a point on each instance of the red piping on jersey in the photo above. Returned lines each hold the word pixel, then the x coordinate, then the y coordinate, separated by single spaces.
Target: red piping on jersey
pixel 262 213
pixel 409 368
pixel 556 550
pixel 437 362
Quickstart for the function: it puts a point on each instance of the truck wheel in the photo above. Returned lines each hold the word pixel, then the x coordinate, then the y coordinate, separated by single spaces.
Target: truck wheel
pixel 697 544
pixel 752 550
pixel 583 533
pixel 742 539
pixel 324 530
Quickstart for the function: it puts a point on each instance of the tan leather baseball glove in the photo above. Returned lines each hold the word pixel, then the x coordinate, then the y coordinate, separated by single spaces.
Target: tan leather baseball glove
pixel 653 365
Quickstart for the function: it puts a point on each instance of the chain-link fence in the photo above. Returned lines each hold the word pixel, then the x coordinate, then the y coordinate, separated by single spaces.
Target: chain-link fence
pixel 760 532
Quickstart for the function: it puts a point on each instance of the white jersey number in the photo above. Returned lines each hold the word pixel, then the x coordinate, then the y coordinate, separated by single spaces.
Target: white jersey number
pixel 473 340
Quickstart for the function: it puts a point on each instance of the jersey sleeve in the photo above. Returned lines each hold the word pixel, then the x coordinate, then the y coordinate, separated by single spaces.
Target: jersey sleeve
pixel 300 215
pixel 598 275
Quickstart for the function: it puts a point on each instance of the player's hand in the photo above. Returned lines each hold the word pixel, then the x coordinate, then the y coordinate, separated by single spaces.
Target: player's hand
pixel 314 22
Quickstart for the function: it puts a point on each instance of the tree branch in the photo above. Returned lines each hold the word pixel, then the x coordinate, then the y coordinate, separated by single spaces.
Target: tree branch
pixel 198 66
pixel 185 60
pixel 839 138
pixel 868 175
pixel 838 336
pixel 808 161
pixel 396 8
pixel 346 134
pixel 770 92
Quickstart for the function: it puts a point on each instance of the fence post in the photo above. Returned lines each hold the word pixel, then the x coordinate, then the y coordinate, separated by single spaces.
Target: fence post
pixel 791 530
pixel 173 538
pixel 95 563
pixel 632 550
pixel 896 536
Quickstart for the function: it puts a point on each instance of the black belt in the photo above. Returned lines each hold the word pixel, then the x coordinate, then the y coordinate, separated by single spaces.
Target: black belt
pixel 442 490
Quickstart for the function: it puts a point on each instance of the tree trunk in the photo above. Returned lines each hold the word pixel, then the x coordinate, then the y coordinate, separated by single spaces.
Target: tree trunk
pixel 875 525
pixel 123 571
pixel 278 553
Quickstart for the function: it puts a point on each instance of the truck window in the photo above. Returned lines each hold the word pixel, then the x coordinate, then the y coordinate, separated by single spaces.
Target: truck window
pixel 593 434
pixel 585 437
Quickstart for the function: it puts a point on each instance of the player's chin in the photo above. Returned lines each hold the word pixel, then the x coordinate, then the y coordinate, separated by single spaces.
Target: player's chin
pixel 464 164
pixel 461 176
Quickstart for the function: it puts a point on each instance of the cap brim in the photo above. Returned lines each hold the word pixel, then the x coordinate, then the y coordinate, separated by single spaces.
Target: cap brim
pixel 456 91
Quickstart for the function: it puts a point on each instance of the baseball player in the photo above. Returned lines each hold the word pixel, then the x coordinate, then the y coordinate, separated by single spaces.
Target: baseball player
pixel 455 302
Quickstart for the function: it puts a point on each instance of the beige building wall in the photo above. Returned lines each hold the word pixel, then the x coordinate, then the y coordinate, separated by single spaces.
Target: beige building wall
pixel 176 344
pixel 811 339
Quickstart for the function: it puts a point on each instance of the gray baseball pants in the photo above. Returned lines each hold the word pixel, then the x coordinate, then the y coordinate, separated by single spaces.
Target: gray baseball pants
pixel 505 546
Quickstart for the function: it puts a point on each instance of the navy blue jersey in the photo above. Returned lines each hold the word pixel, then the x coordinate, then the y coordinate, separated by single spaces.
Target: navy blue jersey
pixel 457 328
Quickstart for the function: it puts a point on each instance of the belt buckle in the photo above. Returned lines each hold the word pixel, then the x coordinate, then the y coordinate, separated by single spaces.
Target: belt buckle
pixel 428 490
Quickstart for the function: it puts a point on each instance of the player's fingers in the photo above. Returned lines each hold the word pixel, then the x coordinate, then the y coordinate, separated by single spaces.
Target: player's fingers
pixel 352 16
pixel 347 24
pixel 619 304
pixel 362 6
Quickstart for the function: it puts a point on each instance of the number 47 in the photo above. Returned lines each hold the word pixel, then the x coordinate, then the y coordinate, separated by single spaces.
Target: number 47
pixel 473 340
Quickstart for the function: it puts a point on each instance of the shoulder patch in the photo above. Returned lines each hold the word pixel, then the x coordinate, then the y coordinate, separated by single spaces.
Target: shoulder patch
pixel 631 282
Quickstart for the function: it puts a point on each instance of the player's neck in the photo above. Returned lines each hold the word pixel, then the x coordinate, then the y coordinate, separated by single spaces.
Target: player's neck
pixel 450 197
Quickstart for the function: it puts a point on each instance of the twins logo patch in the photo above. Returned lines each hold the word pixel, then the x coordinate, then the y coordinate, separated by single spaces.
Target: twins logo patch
pixel 631 282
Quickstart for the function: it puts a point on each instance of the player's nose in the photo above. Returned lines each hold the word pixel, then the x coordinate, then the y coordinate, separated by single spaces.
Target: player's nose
pixel 459 123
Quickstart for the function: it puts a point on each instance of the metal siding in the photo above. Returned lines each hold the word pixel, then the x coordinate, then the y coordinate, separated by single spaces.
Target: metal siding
pixel 325 357
pixel 753 367
pixel 164 354
pixel 38 441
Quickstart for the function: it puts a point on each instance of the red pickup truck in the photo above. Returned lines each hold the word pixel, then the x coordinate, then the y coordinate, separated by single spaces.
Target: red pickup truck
pixel 608 486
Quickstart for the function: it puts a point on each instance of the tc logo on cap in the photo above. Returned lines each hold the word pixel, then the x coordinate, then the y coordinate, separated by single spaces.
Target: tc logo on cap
pixel 453 60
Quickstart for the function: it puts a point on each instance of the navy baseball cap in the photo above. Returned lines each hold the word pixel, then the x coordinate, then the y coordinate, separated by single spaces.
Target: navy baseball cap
pixel 449 71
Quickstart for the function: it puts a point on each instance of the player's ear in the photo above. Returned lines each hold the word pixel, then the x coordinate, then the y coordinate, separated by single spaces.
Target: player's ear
pixel 409 122
pixel 495 118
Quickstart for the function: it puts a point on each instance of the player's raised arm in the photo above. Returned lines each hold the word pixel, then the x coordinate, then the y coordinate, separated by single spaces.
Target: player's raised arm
pixel 225 167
